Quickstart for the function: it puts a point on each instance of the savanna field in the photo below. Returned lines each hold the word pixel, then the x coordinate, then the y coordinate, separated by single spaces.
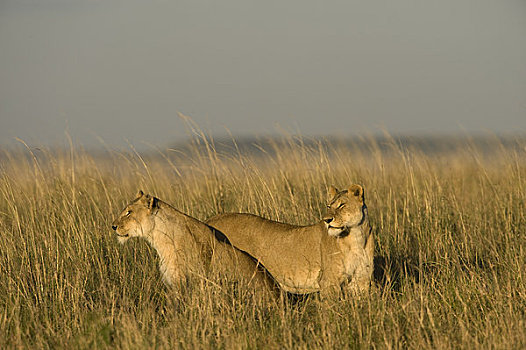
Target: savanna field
pixel 449 218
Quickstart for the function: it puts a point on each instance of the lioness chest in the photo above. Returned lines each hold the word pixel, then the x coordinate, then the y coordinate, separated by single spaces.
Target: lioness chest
pixel 344 257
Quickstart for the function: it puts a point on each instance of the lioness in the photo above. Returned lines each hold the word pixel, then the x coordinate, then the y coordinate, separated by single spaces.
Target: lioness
pixel 304 259
pixel 185 245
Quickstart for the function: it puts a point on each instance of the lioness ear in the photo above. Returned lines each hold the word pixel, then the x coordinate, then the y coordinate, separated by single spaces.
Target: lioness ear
pixel 356 191
pixel 332 192
pixel 145 199
pixel 153 203
pixel 139 194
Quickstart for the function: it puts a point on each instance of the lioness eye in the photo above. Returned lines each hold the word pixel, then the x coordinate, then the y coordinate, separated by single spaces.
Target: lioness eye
pixel 341 205
pixel 128 213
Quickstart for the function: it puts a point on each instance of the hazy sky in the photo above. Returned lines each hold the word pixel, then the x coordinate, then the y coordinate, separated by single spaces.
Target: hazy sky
pixel 123 69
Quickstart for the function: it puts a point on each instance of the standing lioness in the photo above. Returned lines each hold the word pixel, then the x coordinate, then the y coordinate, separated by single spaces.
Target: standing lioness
pixel 304 259
pixel 185 245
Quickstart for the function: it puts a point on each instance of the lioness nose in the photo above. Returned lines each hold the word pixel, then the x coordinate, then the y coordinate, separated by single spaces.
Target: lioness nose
pixel 327 220
pixel 114 227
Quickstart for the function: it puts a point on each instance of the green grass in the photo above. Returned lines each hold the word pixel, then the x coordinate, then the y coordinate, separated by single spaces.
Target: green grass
pixel 450 233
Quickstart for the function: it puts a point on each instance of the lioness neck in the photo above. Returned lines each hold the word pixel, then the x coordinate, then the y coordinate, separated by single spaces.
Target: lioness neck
pixel 168 225
pixel 357 237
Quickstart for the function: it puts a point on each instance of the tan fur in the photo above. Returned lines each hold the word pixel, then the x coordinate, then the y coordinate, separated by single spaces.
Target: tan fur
pixel 338 251
pixel 186 246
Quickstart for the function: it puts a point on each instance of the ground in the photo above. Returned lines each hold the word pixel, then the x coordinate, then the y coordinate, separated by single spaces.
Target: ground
pixel 449 224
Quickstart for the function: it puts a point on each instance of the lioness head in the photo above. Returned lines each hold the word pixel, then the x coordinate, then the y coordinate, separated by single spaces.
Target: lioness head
pixel 345 210
pixel 136 220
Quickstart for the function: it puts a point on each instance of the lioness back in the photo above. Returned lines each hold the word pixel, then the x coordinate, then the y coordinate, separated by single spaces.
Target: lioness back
pixel 272 248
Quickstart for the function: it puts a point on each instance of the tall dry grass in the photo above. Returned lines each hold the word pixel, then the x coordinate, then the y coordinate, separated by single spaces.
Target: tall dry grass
pixel 450 230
